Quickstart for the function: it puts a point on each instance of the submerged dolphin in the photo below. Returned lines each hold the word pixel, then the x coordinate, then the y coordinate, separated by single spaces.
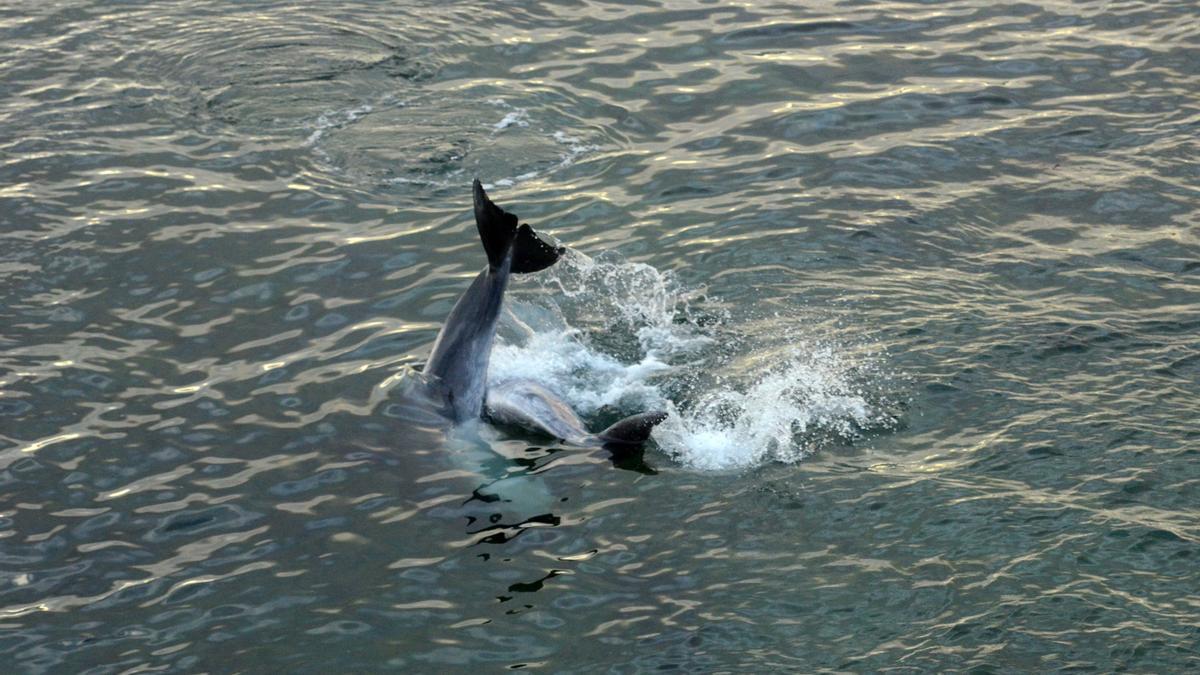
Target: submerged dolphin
pixel 458 366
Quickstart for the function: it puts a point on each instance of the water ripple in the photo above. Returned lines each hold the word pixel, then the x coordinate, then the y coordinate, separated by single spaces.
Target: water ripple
pixel 929 271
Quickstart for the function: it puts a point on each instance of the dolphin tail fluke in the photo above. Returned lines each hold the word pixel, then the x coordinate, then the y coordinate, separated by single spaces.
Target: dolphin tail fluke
pixel 501 235
pixel 633 430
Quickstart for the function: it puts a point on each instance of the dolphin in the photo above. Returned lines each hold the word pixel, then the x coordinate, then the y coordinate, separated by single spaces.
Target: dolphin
pixel 458 366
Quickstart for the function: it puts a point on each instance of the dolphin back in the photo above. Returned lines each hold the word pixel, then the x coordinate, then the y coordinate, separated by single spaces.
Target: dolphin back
pixel 502 235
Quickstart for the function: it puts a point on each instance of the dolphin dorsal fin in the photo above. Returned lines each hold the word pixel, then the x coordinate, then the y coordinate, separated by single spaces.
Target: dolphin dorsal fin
pixel 633 430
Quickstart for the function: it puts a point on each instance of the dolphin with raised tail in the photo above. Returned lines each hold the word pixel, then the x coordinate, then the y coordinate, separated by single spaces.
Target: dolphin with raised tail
pixel 457 369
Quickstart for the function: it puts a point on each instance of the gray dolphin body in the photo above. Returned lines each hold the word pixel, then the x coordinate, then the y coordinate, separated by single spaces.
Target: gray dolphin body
pixel 459 362
pixel 530 405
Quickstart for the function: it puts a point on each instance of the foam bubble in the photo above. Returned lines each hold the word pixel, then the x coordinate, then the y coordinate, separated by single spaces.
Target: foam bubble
pixel 518 117
pixel 576 148
pixel 336 119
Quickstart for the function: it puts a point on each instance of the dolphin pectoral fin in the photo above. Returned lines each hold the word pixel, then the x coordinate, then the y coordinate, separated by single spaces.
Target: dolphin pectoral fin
pixel 633 430
pixel 501 235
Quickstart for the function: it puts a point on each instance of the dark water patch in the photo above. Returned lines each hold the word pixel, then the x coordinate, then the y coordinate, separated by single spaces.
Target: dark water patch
pixel 777 31
pixel 189 523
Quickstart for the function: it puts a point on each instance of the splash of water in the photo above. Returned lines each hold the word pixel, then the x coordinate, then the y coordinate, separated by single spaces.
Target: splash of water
pixel 610 295
pixel 550 338
pixel 778 416
pixel 588 379
pixel 606 333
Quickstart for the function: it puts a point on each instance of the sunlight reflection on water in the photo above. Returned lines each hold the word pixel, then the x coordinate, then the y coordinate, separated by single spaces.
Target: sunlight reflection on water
pixel 927 272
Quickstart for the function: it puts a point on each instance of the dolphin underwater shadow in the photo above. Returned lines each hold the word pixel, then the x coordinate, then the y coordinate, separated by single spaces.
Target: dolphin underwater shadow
pixel 454 380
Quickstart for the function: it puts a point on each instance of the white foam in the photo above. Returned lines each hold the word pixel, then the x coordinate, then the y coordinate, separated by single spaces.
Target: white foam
pixel 509 182
pixel 588 379
pixel 576 148
pixel 773 417
pixel 518 117
pixel 609 293
pixel 548 338
pixel 607 333
pixel 336 119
